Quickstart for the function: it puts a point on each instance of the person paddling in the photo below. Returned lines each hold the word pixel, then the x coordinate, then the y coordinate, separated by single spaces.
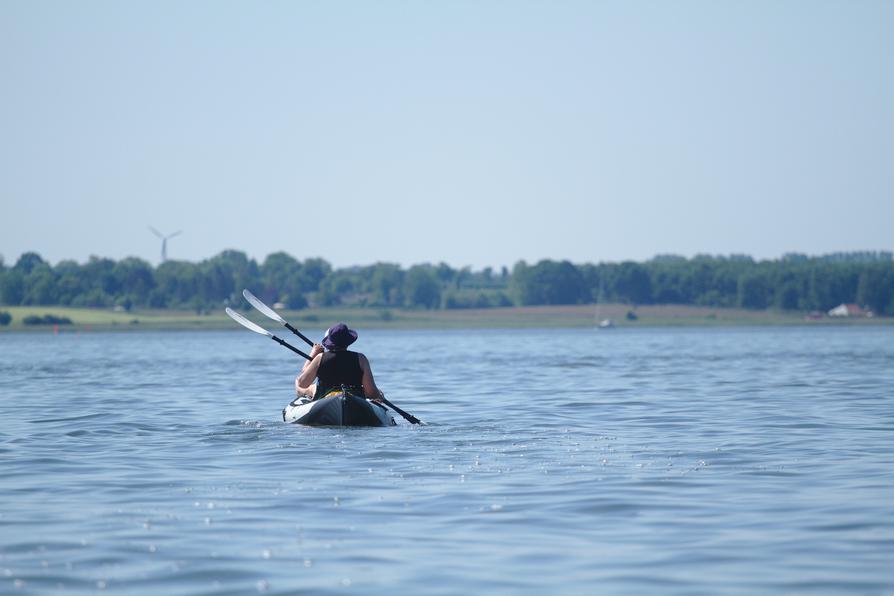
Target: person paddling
pixel 337 368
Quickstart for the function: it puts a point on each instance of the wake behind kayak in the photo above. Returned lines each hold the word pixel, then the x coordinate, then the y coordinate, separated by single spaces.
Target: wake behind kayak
pixel 340 408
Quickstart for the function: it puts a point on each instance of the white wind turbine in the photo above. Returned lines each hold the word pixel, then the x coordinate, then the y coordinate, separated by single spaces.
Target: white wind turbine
pixel 164 241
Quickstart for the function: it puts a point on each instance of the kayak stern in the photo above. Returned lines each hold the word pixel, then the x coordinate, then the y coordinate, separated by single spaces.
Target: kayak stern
pixel 338 409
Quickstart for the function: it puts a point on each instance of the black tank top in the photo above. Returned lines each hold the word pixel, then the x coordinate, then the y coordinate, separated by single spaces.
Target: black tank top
pixel 337 369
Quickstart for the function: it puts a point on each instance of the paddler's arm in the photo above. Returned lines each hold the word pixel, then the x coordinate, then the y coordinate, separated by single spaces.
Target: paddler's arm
pixel 369 384
pixel 309 371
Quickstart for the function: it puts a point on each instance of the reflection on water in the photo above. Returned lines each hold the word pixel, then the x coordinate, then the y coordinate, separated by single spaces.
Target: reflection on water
pixel 746 460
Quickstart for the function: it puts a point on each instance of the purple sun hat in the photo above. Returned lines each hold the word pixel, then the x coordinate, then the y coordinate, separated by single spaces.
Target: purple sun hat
pixel 339 336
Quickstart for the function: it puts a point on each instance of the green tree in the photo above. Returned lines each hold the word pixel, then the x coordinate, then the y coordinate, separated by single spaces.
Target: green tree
pixel 28 262
pixel 753 290
pixel 386 284
pixel 314 271
pixel 787 296
pixel 40 286
pixel 226 275
pixel 280 275
pixel 724 283
pixel 462 275
pixel 12 287
pixel 875 287
pixel 633 284
pixel 98 274
pixel 133 281
pixel 93 297
pixel 338 285
pixel 549 282
pixel 176 284
pixel 69 282
pixel 520 284
pixel 445 274
pixel 421 287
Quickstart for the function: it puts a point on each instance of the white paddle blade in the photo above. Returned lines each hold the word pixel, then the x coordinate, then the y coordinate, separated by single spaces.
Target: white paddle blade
pixel 266 310
pixel 246 323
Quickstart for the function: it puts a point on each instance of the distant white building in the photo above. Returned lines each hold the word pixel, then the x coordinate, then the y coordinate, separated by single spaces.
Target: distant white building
pixel 848 310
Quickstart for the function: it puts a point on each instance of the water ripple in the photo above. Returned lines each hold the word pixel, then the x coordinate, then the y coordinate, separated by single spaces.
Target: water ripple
pixel 672 461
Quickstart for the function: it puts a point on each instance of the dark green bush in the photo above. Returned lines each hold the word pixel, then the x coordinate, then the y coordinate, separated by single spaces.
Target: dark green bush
pixel 46 320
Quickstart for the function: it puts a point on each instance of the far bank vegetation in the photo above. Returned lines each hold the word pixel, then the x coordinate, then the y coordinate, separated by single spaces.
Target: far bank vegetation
pixel 792 283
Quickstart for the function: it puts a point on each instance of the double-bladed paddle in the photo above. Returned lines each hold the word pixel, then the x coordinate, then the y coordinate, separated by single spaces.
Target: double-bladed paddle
pixel 269 312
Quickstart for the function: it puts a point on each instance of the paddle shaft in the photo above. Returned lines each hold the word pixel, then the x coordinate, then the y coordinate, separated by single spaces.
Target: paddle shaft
pixel 299 334
pixel 290 346
pixel 409 417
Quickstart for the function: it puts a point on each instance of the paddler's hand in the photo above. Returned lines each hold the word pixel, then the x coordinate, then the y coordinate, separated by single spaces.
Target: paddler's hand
pixel 316 349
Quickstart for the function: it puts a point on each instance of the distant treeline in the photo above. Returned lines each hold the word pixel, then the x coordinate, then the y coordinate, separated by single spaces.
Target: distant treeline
pixel 794 282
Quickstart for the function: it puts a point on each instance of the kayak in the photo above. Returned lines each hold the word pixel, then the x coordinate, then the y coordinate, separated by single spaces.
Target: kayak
pixel 339 408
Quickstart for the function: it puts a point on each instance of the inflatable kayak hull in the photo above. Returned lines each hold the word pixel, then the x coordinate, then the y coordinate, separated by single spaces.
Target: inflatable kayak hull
pixel 338 409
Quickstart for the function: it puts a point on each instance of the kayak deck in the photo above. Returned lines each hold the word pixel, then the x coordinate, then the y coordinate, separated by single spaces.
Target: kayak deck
pixel 337 409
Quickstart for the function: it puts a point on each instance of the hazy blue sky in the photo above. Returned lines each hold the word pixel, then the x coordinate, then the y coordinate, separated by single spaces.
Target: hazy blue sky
pixel 475 133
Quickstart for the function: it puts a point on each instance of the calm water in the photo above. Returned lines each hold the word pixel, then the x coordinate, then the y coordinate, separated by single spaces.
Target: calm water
pixel 671 461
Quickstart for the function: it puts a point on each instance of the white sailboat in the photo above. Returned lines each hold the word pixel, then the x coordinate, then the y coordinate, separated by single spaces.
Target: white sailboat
pixel 601 323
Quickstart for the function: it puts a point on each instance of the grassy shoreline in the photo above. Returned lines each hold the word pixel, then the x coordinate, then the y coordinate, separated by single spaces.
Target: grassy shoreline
pixel 582 316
